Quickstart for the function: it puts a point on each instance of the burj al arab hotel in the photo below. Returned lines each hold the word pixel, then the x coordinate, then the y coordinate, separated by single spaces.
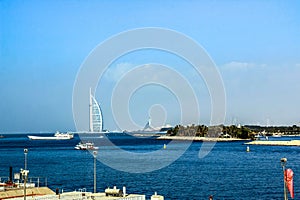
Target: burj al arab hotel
pixel 96 119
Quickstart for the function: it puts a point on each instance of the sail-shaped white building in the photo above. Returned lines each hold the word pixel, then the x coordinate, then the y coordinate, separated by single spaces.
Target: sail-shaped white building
pixel 148 126
pixel 96 119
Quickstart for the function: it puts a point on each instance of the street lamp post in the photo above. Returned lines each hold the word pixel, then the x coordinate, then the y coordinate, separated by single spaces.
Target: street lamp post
pixel 24 177
pixel 25 159
pixel 283 164
pixel 95 171
pixel 25 172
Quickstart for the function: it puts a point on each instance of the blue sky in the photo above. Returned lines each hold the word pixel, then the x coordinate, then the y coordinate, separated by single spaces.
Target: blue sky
pixel 255 45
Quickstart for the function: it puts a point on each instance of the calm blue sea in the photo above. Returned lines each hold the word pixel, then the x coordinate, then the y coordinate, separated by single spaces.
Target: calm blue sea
pixel 228 172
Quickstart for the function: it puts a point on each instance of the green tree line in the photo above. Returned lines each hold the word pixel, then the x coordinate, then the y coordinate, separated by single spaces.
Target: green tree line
pixel 211 131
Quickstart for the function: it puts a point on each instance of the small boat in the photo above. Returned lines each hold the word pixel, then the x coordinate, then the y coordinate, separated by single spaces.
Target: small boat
pixel 86 146
pixel 276 135
pixel 57 136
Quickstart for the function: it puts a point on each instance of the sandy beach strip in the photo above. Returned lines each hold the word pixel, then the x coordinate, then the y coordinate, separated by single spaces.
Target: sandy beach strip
pixel 205 139
pixel 275 143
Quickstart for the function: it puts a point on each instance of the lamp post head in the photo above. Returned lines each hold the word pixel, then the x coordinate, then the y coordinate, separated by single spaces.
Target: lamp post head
pixel 95 153
pixel 25 151
pixel 283 161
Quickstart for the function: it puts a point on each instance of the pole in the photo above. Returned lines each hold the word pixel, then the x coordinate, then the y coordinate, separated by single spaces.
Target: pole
pixel 25 159
pixel 283 164
pixel 284 184
pixel 25 180
pixel 24 177
pixel 95 171
pixel 25 169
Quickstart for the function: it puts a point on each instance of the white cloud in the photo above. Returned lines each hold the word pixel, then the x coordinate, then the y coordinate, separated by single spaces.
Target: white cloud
pixel 234 65
pixel 115 73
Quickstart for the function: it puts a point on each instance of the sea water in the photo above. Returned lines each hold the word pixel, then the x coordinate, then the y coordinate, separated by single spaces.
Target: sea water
pixel 227 172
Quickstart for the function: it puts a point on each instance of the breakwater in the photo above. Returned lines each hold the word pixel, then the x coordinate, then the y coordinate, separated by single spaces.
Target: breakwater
pixel 275 143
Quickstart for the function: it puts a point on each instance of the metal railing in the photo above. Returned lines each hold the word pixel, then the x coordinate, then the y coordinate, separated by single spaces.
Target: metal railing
pixel 37 181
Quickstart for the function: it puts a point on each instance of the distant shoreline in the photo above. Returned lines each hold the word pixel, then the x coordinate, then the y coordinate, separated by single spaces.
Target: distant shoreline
pixel 204 139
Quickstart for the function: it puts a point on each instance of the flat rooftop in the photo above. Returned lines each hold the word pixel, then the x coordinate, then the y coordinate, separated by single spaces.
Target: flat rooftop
pixel 19 192
pixel 43 193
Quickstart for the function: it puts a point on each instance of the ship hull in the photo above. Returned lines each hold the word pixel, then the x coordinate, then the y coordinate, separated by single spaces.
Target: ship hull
pixel 47 138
